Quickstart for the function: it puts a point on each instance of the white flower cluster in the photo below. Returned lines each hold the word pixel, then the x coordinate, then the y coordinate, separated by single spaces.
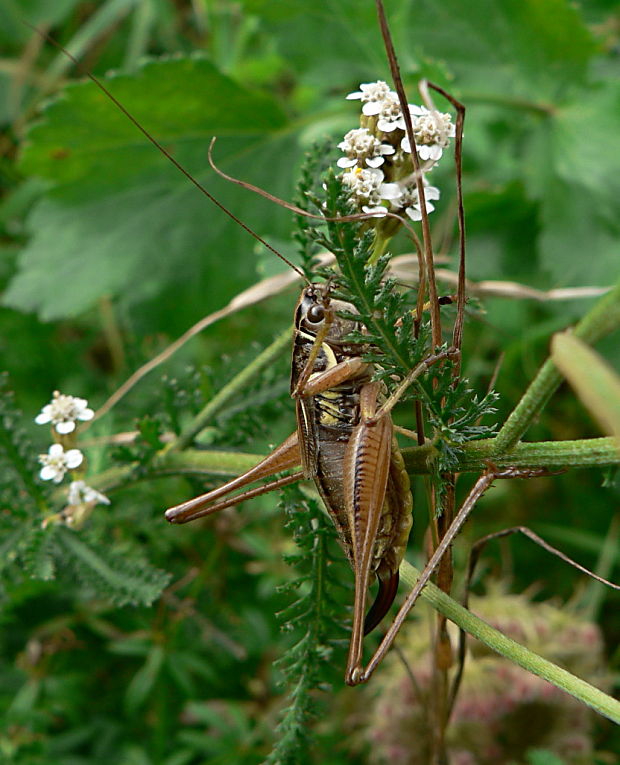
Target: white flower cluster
pixel 63 412
pixel 377 168
pixel 57 462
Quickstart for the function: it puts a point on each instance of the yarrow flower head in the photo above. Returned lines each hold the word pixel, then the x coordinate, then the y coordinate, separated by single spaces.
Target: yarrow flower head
pixel 81 494
pixel 377 166
pixel 432 131
pixel 368 190
pixel 57 461
pixel 63 412
pixel 410 200
pixel 372 95
pixel 361 146
pixel 390 114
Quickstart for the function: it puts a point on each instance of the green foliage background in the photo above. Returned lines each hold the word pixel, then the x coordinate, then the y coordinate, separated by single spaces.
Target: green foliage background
pixel 108 253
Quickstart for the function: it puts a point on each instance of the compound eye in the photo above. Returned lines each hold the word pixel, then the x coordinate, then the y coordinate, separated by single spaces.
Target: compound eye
pixel 316 314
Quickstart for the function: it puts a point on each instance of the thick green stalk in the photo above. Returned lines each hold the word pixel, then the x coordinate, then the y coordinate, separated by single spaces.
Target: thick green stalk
pixel 601 320
pixel 588 452
pixel 505 646
pixel 555 455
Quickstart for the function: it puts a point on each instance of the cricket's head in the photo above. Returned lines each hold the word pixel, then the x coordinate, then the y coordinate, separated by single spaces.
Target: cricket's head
pixel 318 313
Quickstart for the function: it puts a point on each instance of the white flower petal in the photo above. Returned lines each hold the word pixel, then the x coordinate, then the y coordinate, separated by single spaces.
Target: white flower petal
pixel 86 414
pixel 371 162
pixel 65 427
pixel 377 212
pixel 432 151
pixel 47 473
pixel 73 458
pixel 416 110
pixel 386 126
pixel 76 489
pixel 56 450
pixel 390 191
pixel 353 96
pixel 371 108
pixel 346 162
pixel 413 213
pixel 80 493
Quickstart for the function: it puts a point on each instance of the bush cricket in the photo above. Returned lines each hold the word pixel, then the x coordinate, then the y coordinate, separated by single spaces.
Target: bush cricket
pixel 344 437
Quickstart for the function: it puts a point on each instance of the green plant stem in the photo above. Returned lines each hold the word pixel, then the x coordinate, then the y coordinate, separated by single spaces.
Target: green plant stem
pixel 601 320
pixel 234 388
pixel 589 452
pixel 505 646
pixel 555 455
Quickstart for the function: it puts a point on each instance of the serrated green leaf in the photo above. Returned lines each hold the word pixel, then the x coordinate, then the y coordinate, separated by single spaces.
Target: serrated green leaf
pixel 112 576
pixel 39 553
pixel 596 383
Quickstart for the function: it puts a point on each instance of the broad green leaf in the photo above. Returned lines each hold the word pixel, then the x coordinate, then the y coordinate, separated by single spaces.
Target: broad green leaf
pixel 181 102
pixel 119 220
pixel 530 48
pixel 586 141
pixel 572 167
pixel 350 47
pixel 596 383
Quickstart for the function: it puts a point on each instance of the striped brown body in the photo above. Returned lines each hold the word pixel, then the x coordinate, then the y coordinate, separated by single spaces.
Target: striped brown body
pixel 328 424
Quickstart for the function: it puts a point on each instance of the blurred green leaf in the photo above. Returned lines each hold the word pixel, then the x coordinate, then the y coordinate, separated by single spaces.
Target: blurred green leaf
pixel 119 219
pixel 596 383
pixel 145 678
pixel 533 49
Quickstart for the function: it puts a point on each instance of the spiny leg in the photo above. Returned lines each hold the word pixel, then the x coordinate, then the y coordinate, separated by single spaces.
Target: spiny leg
pixel 283 457
pixel 366 470
pixel 479 488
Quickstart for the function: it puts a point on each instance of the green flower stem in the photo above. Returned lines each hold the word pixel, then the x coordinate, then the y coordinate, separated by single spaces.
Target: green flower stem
pixel 601 320
pixel 589 452
pixel 234 388
pixel 505 646
pixel 554 455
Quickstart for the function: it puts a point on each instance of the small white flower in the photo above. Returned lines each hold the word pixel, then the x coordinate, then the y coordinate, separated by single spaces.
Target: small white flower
pixel 63 411
pixel 432 132
pixel 371 94
pixel 81 494
pixel 368 190
pixel 410 200
pixel 390 115
pixel 57 461
pixel 361 146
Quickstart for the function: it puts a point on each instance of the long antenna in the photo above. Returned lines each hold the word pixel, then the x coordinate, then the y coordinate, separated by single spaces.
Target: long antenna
pixel 165 152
